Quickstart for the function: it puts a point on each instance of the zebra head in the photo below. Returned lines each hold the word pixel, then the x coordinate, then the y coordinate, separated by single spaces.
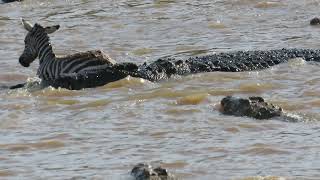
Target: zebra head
pixel 36 37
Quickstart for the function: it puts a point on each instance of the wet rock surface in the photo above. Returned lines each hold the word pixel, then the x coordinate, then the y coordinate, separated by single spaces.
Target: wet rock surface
pixel 147 172
pixel 16 86
pixel 254 107
pixel 9 1
pixel 315 21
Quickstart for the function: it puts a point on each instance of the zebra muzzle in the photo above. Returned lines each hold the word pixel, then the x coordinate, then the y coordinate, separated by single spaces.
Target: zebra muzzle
pixel 23 62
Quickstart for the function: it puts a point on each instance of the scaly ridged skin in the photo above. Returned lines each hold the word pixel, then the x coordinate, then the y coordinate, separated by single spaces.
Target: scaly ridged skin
pixel 163 69
pixel 228 62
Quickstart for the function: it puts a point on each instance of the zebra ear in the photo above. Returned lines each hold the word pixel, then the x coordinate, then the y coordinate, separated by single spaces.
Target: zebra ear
pixel 27 25
pixel 52 29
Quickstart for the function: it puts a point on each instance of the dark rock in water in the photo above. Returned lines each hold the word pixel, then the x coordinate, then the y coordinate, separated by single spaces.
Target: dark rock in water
pixel 17 86
pixel 13 87
pixel 9 1
pixel 254 107
pixel 146 172
pixel 315 21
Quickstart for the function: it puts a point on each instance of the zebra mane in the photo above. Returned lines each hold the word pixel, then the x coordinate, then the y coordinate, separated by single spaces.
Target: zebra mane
pixel 47 30
pixel 38 27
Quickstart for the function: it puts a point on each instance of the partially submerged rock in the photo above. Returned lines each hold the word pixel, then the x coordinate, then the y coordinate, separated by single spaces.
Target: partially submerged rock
pixel 147 172
pixel 254 107
pixel 9 1
pixel 16 86
pixel 315 21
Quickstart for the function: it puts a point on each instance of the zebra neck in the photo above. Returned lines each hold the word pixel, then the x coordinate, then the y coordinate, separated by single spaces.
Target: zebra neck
pixel 45 52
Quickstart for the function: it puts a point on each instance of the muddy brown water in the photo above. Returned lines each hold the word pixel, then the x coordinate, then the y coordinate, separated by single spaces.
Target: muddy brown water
pixel 102 133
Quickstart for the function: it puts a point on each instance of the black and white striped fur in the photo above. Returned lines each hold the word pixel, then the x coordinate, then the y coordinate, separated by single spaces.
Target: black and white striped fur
pixel 37 44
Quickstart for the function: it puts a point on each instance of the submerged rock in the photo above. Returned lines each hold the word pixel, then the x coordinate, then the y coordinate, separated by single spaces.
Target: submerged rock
pixel 17 86
pixel 254 107
pixel 9 1
pixel 147 172
pixel 315 21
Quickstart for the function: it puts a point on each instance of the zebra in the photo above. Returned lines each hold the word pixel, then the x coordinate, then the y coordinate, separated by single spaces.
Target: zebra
pixel 76 71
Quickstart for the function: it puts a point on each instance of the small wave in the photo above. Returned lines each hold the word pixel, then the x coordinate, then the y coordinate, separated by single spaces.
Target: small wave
pixel 267 5
pixel 296 62
pixel 216 25
pixel 49 144
pixel 264 178
pixel 127 82
pixel 264 151
pixel 192 99
pixel 6 173
pixel 301 117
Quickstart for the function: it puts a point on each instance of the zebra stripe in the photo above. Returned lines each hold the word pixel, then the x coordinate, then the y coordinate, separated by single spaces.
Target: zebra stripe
pixel 49 70
pixel 70 64
pixel 84 65
pixel 56 69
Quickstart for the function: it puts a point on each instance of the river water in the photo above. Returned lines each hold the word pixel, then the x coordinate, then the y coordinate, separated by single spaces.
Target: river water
pixel 101 133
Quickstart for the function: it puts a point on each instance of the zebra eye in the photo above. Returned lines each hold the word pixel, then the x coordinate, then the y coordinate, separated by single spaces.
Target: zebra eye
pixel 52 29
